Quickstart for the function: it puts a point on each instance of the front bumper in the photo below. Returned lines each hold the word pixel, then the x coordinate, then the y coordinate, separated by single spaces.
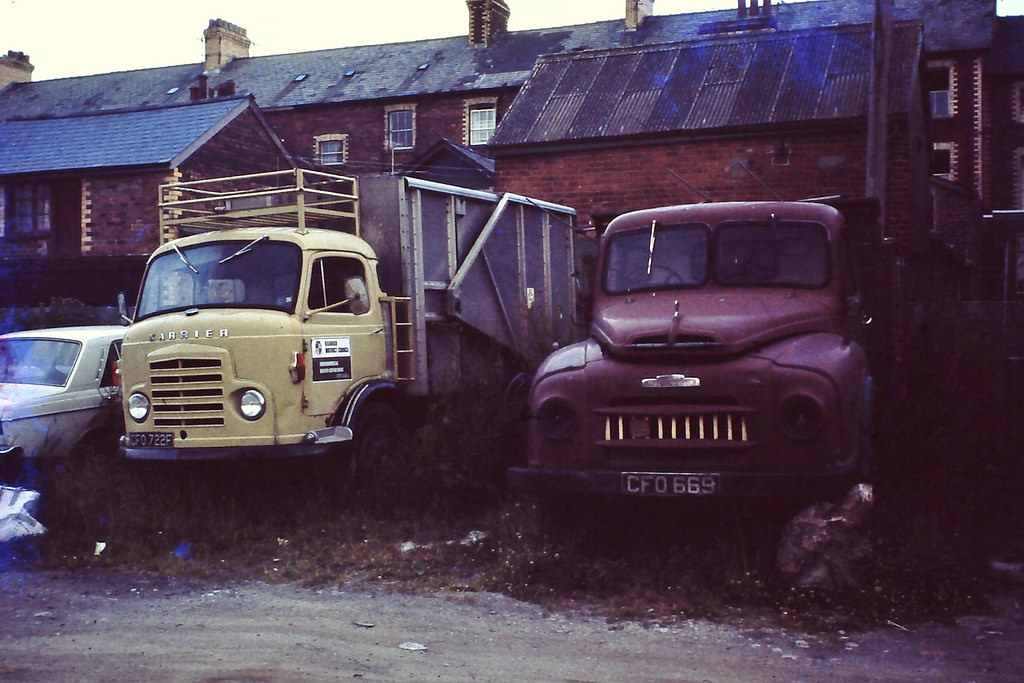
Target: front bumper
pixel 730 484
pixel 318 442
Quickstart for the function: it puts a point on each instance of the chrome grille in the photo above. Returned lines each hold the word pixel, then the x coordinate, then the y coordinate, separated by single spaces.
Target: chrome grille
pixel 723 426
pixel 187 392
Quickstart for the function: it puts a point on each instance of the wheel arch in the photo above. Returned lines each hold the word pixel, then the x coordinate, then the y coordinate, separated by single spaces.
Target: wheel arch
pixel 368 392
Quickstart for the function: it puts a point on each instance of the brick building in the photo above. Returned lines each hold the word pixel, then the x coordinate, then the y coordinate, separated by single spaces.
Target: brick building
pixel 77 219
pixel 430 107
pixel 746 115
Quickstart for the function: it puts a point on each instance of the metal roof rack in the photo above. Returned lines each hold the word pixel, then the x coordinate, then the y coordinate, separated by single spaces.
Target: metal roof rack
pixel 299 198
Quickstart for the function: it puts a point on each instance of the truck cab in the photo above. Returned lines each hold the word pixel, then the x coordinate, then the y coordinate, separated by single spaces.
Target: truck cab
pixel 725 358
pixel 249 339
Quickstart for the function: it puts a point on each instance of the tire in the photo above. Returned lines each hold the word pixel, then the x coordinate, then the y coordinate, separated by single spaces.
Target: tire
pixel 376 433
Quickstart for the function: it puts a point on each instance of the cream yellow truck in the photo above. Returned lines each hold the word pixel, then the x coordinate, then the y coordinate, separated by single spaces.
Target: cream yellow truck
pixel 292 313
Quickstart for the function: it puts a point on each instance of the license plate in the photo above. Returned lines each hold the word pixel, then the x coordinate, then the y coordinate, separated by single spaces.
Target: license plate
pixel 670 484
pixel 151 440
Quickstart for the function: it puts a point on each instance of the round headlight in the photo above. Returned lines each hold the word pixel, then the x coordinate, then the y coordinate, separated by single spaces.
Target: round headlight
pixel 802 416
pixel 557 418
pixel 252 404
pixel 138 407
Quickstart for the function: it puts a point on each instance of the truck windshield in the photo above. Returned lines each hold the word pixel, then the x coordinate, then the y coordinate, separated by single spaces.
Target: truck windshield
pixel 657 257
pixel 754 254
pixel 215 276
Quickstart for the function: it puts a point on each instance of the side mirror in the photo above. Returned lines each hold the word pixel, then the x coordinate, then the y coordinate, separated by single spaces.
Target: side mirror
pixel 358 297
pixel 122 309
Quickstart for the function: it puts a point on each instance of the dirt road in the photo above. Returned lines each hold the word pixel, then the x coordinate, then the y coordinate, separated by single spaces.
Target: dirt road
pixel 101 624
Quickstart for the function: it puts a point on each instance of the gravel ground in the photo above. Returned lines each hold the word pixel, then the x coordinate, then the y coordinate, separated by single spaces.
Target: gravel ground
pixel 102 624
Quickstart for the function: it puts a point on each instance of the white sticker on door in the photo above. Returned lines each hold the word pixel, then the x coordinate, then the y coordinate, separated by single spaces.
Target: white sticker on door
pixel 332 359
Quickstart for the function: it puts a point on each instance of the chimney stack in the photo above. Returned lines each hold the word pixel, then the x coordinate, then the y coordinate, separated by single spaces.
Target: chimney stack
pixel 766 5
pixel 224 41
pixel 15 68
pixel 487 18
pixel 636 12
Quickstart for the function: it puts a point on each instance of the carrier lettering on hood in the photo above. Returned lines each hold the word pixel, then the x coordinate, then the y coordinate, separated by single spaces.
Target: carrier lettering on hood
pixel 176 335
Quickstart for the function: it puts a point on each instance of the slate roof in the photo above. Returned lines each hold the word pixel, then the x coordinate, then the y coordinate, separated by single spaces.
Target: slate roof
pixel 797 76
pixel 411 69
pixel 147 137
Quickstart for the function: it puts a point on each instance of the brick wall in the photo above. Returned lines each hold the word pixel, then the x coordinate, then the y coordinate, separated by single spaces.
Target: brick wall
pixel 602 183
pixel 959 129
pixel 1005 143
pixel 243 146
pixel 437 117
pixel 120 213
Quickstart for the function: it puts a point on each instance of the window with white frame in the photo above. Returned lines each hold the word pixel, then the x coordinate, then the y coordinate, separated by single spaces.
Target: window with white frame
pixel 401 123
pixel 28 210
pixel 480 117
pixel 943 161
pixel 331 149
pixel 481 125
pixel 939 83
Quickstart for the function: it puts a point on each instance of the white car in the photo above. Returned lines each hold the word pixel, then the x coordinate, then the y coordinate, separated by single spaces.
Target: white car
pixel 58 390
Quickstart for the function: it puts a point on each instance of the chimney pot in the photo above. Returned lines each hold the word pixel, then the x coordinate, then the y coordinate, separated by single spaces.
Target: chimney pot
pixel 754 9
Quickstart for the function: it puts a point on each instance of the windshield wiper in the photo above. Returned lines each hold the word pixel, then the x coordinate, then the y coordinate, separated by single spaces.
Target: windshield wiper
pixel 650 253
pixel 244 250
pixel 184 259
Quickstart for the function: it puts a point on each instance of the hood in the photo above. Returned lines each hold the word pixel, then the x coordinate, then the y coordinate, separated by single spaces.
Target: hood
pixel 720 321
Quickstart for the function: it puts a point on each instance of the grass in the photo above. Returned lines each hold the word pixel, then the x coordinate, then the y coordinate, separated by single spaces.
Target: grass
pixel 943 493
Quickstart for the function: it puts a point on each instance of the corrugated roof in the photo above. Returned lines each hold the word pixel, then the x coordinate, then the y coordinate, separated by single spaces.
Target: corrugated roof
pixel 147 137
pixel 799 76
pixel 393 70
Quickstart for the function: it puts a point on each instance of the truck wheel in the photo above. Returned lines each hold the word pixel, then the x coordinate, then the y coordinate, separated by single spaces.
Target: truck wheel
pixel 375 434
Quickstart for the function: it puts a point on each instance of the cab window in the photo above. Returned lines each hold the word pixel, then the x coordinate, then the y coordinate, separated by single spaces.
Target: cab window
pixel 338 284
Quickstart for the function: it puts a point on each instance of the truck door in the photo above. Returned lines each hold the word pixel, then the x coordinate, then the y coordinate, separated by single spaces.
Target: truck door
pixel 343 331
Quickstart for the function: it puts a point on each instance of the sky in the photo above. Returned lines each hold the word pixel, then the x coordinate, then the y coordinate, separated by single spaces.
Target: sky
pixel 79 37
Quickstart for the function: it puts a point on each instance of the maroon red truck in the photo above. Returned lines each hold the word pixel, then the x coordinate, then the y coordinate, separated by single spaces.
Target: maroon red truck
pixel 725 358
